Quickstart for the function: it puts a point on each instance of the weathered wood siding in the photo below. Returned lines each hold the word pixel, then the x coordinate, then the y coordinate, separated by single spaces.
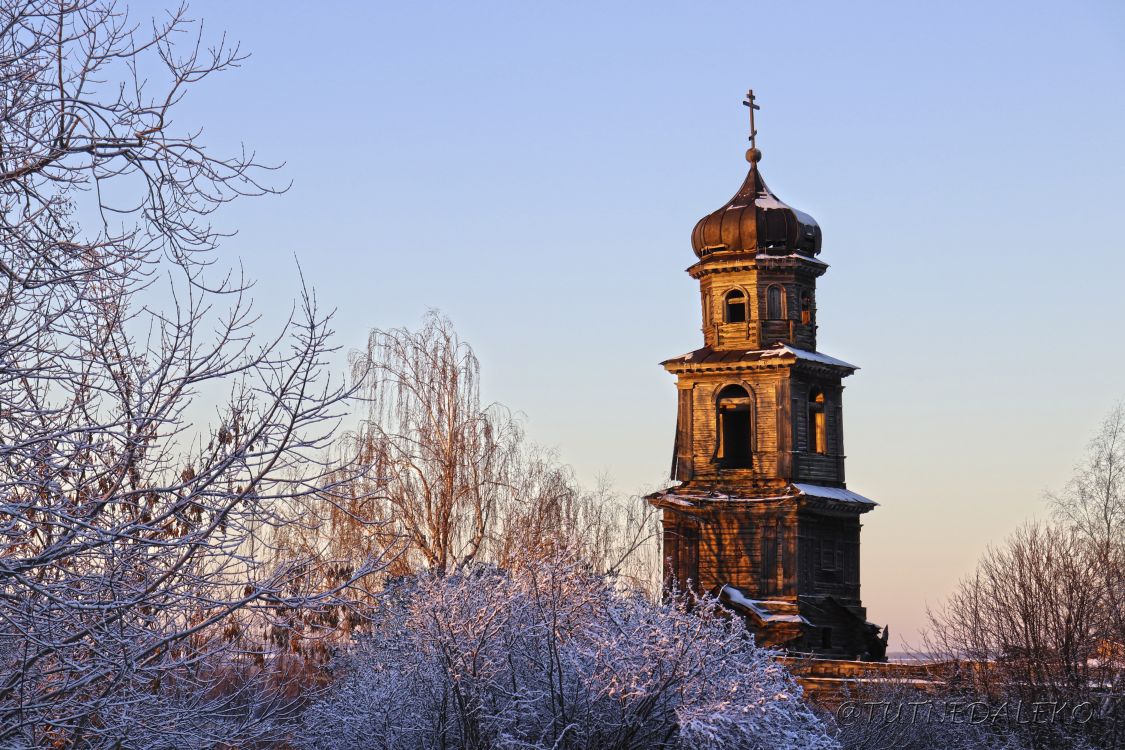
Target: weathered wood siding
pixel 789 328
pixel 808 465
pixel 828 556
pixel 717 333
pixel 759 330
pixel 781 444
pixel 753 548
pixel 766 442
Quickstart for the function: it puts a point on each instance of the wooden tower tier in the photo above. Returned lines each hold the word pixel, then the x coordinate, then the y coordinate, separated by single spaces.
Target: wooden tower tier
pixel 759 418
pixel 788 563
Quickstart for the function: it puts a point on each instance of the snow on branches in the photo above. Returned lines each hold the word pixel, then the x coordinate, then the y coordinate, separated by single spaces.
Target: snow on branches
pixel 135 539
pixel 550 655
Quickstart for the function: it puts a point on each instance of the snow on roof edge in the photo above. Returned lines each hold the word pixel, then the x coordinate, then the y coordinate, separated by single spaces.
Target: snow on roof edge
pixel 823 359
pixel 767 256
pixel 833 493
pixel 736 597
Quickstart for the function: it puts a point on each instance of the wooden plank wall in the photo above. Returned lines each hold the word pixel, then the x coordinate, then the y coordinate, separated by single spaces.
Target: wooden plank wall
pixel 779 431
pixel 738 548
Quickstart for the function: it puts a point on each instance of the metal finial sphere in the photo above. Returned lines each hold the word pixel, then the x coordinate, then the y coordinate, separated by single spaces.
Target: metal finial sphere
pixel 753 155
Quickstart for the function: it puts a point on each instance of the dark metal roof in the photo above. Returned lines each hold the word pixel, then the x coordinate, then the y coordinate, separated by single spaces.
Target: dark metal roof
pixel 755 221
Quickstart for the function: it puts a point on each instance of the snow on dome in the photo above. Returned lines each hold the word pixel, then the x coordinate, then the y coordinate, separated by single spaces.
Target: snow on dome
pixel 768 200
pixel 754 221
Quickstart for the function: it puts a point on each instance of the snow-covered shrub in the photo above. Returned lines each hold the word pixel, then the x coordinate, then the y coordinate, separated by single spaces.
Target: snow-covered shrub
pixel 549 655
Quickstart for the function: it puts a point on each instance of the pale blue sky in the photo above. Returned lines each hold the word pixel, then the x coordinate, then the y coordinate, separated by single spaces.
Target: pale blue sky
pixel 534 170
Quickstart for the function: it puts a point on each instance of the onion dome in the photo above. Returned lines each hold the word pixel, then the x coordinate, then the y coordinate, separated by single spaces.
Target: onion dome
pixel 754 221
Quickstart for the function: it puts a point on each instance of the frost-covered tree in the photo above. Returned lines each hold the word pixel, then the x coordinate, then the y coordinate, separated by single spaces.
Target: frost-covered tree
pixel 134 530
pixel 1093 505
pixel 1044 611
pixel 549 655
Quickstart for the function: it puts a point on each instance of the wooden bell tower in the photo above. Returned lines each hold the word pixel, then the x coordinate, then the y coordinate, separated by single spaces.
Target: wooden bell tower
pixel 760 514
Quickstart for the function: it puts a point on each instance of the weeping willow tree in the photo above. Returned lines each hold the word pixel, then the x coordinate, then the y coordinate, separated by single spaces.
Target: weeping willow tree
pixel 456 480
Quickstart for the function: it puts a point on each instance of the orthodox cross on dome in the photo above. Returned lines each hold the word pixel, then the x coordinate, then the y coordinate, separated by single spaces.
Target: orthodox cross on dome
pixel 749 102
pixel 753 155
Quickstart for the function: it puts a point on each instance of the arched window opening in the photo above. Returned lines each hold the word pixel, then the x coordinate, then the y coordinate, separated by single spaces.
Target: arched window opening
pixel 775 303
pixel 735 306
pixel 734 427
pixel 818 428
pixel 806 308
